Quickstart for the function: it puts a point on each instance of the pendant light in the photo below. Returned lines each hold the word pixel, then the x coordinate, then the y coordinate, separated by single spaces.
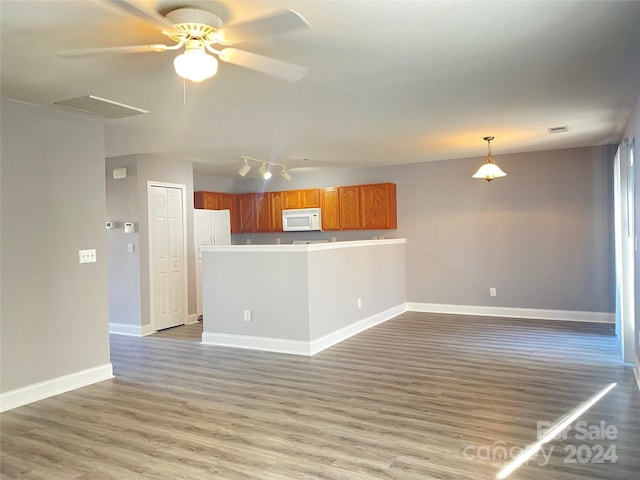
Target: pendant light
pixel 489 170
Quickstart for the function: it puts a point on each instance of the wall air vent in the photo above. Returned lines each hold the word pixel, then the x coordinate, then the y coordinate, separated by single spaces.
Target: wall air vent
pixel 101 107
pixel 558 129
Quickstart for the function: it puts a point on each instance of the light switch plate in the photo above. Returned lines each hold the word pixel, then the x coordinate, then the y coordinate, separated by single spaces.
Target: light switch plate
pixel 87 256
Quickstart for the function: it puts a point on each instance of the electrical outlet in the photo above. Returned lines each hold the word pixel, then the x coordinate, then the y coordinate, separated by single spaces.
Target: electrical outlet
pixel 492 291
pixel 359 303
pixel 247 315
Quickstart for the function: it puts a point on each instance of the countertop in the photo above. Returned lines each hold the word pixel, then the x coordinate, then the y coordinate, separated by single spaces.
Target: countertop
pixel 311 247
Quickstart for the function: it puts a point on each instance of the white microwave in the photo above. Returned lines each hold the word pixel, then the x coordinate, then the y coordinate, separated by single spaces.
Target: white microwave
pixel 302 220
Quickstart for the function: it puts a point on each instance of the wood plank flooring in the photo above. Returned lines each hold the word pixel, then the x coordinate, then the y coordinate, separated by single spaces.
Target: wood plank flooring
pixel 421 396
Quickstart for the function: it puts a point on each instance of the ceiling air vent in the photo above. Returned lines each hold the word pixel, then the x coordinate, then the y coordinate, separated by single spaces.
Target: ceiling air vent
pixel 101 107
pixel 558 129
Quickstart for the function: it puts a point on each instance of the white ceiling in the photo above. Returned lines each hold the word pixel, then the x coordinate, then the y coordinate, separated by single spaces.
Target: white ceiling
pixel 389 81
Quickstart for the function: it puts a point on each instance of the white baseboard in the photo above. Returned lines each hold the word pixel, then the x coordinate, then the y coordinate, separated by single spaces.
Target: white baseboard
pixel 128 329
pixel 192 318
pixel 300 347
pixel 279 345
pixel 533 313
pixel 55 386
pixel 342 334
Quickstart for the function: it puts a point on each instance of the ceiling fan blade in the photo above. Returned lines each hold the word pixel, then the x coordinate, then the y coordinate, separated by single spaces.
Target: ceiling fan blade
pixel 260 63
pixel 276 23
pixel 138 9
pixel 98 51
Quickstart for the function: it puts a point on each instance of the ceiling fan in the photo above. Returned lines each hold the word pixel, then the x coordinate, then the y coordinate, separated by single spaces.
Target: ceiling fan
pixel 199 31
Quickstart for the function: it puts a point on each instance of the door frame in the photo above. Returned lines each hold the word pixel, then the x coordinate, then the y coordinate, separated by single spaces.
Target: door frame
pixel 185 281
pixel 624 239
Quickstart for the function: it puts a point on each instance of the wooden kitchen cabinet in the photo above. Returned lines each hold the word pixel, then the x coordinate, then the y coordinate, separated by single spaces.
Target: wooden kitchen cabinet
pixel 227 201
pixel 330 205
pixel 349 207
pixel 368 207
pixel 378 209
pixel 292 199
pixel 254 213
pixel 246 212
pixel 206 200
pixel 355 207
pixel 309 198
pixel 277 202
pixel 262 212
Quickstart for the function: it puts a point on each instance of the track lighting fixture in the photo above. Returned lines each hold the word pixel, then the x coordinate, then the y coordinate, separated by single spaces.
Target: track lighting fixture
pixel 284 174
pixel 264 171
pixel 265 168
pixel 244 169
pixel 489 170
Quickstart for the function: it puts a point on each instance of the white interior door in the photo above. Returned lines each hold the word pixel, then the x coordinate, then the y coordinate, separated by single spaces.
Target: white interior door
pixel 167 233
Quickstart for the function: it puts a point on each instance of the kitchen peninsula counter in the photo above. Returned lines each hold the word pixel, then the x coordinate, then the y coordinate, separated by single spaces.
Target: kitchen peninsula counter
pixel 300 298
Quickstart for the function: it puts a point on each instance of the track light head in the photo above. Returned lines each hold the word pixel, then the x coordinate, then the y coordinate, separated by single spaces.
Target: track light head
pixel 266 174
pixel 284 174
pixel 244 169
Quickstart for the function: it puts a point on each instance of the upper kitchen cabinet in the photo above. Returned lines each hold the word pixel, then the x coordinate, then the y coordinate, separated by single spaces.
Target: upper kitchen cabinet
pixel 263 212
pixel 254 212
pixel 309 198
pixel 370 207
pixel 355 207
pixel 329 203
pixel 206 200
pixel 277 202
pixel 349 207
pixel 246 217
pixel 378 208
pixel 227 201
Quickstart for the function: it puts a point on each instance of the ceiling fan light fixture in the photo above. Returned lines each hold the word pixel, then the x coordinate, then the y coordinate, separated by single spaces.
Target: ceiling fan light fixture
pixel 489 170
pixel 195 64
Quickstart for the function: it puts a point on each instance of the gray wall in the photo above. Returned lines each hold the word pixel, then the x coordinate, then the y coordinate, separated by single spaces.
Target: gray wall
pixel 205 181
pixel 300 295
pixel 273 286
pixel 337 278
pixel 129 280
pixel 54 313
pixel 124 267
pixel 542 235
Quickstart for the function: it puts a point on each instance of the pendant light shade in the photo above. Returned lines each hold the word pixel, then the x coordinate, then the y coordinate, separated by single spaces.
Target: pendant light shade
pixel 489 170
pixel 195 64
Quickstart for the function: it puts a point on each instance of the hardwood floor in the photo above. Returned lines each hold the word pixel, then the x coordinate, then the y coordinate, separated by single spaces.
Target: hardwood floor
pixel 419 397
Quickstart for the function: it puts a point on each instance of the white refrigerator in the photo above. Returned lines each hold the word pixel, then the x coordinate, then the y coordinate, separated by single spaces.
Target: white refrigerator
pixel 212 227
